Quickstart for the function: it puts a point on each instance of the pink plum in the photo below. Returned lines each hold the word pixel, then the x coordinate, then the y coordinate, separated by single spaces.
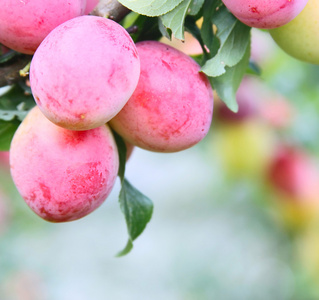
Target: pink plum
pixel 62 175
pixel 84 72
pixel 265 13
pixel 25 23
pixel 171 108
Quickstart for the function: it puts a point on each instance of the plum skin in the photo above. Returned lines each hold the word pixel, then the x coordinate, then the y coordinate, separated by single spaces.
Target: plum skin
pixel 171 108
pixel 265 13
pixel 62 175
pixel 25 23
pixel 84 72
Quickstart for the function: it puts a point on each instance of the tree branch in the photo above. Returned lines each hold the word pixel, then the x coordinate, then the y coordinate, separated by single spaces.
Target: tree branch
pixel 111 9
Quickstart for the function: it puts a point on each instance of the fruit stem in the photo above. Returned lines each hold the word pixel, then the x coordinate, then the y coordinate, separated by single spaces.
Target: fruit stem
pixel 25 71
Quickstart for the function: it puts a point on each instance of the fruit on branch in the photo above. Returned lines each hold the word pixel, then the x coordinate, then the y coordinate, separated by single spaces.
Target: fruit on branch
pixel 84 72
pixel 24 24
pixel 90 5
pixel 62 175
pixel 265 13
pixel 171 108
pixel 299 38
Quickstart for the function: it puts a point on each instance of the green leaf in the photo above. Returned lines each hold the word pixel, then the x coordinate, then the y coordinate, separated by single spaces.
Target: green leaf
pixel 253 68
pixel 15 104
pixel 174 20
pixel 195 7
pixel 210 40
pixel 151 8
pixel 234 38
pixel 126 250
pixel 166 32
pixel 7 130
pixel 137 209
pixel 227 84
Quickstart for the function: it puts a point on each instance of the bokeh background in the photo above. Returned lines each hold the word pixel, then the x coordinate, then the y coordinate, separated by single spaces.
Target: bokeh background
pixel 235 217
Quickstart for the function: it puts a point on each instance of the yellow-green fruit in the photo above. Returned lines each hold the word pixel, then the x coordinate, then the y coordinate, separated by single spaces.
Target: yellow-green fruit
pixel 294 213
pixel 244 148
pixel 300 37
pixel 308 252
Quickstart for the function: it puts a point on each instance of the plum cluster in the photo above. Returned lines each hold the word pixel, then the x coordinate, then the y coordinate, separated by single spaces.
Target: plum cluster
pixel 88 76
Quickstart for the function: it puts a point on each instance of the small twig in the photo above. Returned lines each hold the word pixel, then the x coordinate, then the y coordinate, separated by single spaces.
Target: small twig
pixel 132 29
pixel 25 71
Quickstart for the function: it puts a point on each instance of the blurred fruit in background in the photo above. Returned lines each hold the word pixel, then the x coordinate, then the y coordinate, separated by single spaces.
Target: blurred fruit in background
pixel 263 48
pixel 277 112
pixel 294 173
pixel 294 182
pixel 257 101
pixel 244 141
pixel 4 212
pixel 305 26
pixel 307 252
pixel 249 99
pixel 23 285
pixel 4 160
pixel 244 148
